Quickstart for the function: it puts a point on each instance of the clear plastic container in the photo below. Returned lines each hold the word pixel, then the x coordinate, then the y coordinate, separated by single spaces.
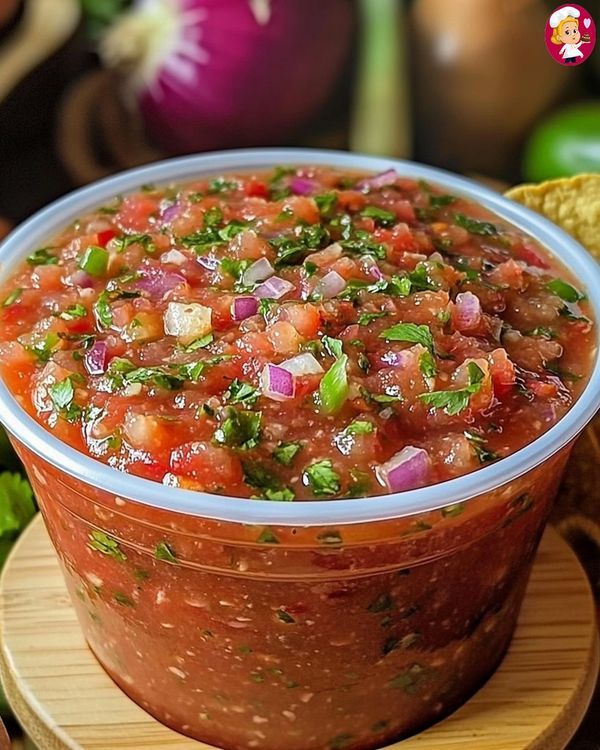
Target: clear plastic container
pixel 305 626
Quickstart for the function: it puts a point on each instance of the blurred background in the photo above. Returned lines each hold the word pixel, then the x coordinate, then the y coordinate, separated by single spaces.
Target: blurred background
pixel 92 87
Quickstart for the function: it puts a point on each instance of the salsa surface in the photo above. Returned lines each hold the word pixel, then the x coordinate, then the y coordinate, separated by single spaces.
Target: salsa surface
pixel 298 334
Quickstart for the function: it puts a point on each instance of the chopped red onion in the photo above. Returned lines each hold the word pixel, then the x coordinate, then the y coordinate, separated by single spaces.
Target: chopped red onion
pixel 467 311
pixel 96 358
pixel 277 383
pixel 82 279
pixel 244 307
pixel 274 288
pixel 383 179
pixel 169 213
pixel 157 281
pixel 371 268
pixel 302 364
pixel 397 359
pixel 258 271
pixel 208 262
pixel 176 257
pixel 330 285
pixel 301 186
pixel 407 470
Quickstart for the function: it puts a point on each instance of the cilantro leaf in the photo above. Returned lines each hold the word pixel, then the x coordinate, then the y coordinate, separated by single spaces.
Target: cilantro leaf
pixel 365 318
pixel 380 216
pixel 453 402
pixel 473 226
pixel 410 332
pixel 42 257
pixel 73 312
pixel 259 477
pixel 105 544
pixel 360 427
pixel 164 551
pixel 12 297
pixel 241 393
pixel 479 445
pixel 427 365
pixel 286 452
pixel 325 202
pixel 240 429
pixel 565 291
pixel 321 477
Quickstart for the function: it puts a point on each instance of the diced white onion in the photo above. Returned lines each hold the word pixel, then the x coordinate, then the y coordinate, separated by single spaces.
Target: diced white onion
pixel 187 320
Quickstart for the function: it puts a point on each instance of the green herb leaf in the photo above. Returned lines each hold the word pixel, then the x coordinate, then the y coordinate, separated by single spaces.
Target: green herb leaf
pixel 473 226
pixel 42 257
pixel 200 343
pixel 438 201
pixel 62 395
pixel 321 477
pixel 331 536
pixel 240 429
pixel 94 261
pixel 479 445
pixel 104 543
pixel 267 536
pixel 102 309
pixel 221 185
pixel 453 402
pixel 12 297
pixel 241 393
pixel 410 332
pixel 164 551
pixel 285 617
pixel 235 268
pixel 420 280
pixel 565 291
pixel 286 452
pixel 380 216
pixel 427 365
pixel 73 312
pixel 365 318
pixel 326 202
pixel 360 427
pixel 333 347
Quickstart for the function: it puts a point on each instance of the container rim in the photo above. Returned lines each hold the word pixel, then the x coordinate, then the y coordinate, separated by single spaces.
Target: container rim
pixel 36 438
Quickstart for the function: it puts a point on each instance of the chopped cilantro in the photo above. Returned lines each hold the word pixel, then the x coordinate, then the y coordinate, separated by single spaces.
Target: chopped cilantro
pixel 453 402
pixel 380 216
pixel 321 477
pixel 326 202
pixel 286 452
pixel 103 310
pixel 420 280
pixel 331 536
pixel 479 445
pixel 240 429
pixel 241 393
pixel 360 427
pixel 285 617
pixel 410 332
pixel 42 257
pixel 73 312
pixel 164 551
pixel 221 185
pixel 258 476
pixel 267 536
pixel 104 543
pixel 543 332
pixel 200 343
pixel 381 604
pixel 565 291
pixel 365 318
pixel 123 599
pixel 427 365
pixel 473 226
pixel 438 201
pixel 12 297
pixel 62 395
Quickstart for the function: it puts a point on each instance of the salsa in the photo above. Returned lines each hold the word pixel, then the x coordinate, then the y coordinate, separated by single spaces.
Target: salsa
pixel 295 335
pixel 305 333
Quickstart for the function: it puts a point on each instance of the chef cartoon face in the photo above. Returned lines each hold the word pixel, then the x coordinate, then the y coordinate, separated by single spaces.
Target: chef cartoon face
pixel 567 31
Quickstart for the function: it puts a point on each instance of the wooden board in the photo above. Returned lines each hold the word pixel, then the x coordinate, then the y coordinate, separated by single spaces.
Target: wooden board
pixel 62 697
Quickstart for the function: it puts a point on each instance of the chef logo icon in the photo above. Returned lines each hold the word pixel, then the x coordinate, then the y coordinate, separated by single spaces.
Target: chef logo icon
pixel 570 34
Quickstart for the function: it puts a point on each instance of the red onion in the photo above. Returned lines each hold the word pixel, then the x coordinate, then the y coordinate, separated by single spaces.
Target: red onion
pixel 407 470
pixel 330 285
pixel 277 383
pixel 302 364
pixel 301 185
pixel 176 257
pixel 169 213
pixel 274 288
pixel 383 179
pixel 244 307
pixel 400 359
pixel 371 268
pixel 157 281
pixel 467 311
pixel 210 74
pixel 82 279
pixel 96 358
pixel 208 262
pixel 258 271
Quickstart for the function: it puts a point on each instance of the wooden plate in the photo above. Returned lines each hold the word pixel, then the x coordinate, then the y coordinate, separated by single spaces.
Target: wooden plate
pixel 63 698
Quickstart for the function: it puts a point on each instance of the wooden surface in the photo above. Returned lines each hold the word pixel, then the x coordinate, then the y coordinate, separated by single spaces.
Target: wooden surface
pixel 64 699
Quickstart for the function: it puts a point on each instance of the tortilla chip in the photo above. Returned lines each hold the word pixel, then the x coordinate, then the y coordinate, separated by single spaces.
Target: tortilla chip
pixel 571 202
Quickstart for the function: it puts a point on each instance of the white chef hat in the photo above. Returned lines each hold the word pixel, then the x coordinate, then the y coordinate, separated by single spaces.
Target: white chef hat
pixel 562 13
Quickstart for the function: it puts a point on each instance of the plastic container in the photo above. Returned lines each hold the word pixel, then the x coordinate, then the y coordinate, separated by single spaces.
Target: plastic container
pixel 304 626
